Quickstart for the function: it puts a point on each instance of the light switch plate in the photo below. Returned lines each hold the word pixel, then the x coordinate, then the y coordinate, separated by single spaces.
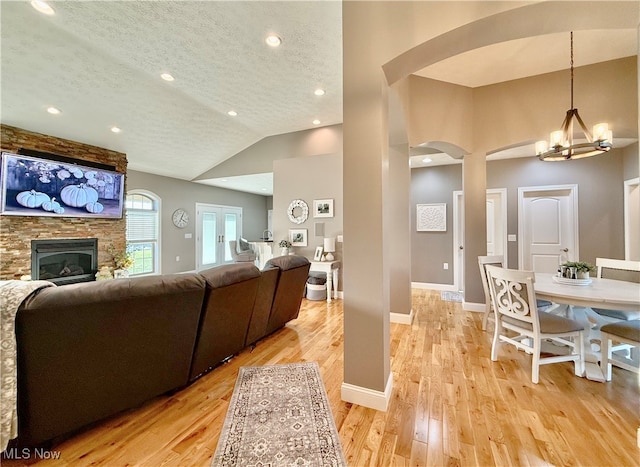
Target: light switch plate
pixel 511 237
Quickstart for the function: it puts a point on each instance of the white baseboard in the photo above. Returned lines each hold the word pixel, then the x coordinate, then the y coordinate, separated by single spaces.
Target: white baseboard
pixel 426 285
pixel 368 397
pixel 401 318
pixel 469 306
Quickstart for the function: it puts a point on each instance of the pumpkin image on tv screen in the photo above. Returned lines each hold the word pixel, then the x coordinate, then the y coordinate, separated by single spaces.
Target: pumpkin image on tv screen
pixel 32 186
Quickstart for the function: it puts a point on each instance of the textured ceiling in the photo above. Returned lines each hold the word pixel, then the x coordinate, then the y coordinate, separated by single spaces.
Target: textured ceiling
pixel 100 63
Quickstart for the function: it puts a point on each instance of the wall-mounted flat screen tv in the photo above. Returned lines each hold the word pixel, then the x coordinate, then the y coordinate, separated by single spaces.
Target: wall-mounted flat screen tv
pixel 33 186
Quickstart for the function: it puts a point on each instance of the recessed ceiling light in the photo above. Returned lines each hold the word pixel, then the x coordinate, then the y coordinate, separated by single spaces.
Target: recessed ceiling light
pixel 53 110
pixel 224 180
pixel 273 40
pixel 115 129
pixel 167 77
pixel 233 113
pixel 316 122
pixel 264 189
pixel 42 7
pixel 426 160
pixel 319 92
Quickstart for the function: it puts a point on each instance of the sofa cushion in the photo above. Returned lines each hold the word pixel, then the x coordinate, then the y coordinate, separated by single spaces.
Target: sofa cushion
pixel 222 276
pixel 89 350
pixel 227 308
pixel 263 304
pixel 243 245
pixel 288 262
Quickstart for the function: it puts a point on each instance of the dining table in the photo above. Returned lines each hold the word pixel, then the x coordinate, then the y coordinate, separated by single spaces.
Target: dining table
pixel 576 299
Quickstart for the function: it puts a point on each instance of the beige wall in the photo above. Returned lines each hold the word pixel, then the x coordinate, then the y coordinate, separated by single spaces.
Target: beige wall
pixel 259 157
pixel 174 194
pixel 600 205
pixel 308 178
pixel 528 109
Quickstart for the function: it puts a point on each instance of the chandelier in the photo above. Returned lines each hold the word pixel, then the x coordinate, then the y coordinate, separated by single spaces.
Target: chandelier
pixel 561 145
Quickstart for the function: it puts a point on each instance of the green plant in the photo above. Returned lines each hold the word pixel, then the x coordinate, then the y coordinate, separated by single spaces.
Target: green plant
pixel 580 266
pixel 122 259
pixel 284 244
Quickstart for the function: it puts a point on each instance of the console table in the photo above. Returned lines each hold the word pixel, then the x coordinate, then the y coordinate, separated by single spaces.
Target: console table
pixel 331 268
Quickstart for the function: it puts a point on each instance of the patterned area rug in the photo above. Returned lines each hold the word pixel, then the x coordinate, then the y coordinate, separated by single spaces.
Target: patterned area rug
pixel 279 416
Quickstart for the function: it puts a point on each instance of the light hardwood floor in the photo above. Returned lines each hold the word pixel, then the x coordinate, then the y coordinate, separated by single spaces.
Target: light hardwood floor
pixel 451 405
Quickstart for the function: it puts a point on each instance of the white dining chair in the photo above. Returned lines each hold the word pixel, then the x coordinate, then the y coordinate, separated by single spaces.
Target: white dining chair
pixel 625 332
pixel 483 261
pixel 496 260
pixel 621 270
pixel 516 312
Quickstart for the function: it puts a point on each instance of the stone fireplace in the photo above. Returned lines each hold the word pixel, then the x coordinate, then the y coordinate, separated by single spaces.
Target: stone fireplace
pixel 17 232
pixel 64 261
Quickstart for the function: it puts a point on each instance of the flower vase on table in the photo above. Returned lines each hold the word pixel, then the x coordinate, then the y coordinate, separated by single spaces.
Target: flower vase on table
pixel 285 245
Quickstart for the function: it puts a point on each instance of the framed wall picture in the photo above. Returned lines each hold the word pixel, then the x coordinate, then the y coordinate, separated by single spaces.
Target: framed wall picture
pixel 318 255
pixel 322 208
pixel 431 217
pixel 298 237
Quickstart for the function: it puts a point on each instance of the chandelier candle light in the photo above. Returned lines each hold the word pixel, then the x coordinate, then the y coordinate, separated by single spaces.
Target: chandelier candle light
pixel 561 146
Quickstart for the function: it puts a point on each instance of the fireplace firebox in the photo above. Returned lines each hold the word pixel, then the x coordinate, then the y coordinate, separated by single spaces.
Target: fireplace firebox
pixel 64 261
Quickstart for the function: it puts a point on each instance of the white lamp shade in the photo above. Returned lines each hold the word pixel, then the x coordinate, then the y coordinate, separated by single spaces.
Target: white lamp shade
pixel 330 244
pixel 557 138
pixel 541 146
pixel 600 132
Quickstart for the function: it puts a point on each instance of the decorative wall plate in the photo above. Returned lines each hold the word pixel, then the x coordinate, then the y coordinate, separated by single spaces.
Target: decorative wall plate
pixel 303 211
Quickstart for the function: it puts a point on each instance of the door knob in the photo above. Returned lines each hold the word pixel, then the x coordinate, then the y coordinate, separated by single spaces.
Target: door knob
pixel 566 250
pixel 461 247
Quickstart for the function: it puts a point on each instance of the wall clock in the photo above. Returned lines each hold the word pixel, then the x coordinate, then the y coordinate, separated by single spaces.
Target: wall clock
pixel 298 211
pixel 180 218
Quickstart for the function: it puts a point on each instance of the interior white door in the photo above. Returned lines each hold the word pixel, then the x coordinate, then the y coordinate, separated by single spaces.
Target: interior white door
pixel 548 227
pixel 215 227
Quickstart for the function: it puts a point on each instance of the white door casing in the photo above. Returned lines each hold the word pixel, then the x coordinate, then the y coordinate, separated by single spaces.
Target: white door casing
pixel 496 229
pixel 632 219
pixel 458 240
pixel 497 222
pixel 547 227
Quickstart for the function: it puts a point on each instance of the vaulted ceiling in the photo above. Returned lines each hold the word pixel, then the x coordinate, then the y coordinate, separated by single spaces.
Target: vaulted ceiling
pixel 100 63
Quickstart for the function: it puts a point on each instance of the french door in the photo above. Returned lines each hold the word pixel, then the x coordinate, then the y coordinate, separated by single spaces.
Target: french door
pixel 215 227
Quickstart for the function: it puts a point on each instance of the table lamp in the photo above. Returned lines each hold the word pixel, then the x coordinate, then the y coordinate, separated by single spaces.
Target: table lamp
pixel 329 248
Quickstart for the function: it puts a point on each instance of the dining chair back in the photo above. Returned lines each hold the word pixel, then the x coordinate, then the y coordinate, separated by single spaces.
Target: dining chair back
pixel 621 270
pixel 484 261
pixel 516 311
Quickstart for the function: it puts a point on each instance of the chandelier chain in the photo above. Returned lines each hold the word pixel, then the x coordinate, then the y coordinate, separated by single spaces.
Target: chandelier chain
pixel 571 69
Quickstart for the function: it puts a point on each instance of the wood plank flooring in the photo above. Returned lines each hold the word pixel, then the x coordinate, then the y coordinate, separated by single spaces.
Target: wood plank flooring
pixel 451 405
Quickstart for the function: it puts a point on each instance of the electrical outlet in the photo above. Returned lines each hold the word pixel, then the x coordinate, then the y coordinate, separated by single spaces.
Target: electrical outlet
pixel 445 265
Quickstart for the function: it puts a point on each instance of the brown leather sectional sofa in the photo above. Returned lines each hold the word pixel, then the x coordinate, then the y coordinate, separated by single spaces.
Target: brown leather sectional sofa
pixel 87 351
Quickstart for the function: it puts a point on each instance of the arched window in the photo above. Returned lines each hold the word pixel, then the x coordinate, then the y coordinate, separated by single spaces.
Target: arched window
pixel 143 237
